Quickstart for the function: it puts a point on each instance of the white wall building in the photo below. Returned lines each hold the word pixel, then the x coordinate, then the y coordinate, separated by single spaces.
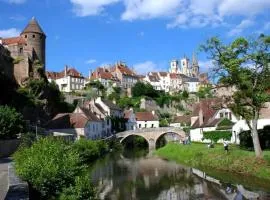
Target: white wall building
pixel 68 80
pixel 147 120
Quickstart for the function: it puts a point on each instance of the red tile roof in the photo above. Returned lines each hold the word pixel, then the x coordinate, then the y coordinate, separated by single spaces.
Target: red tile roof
pixel 13 40
pixel 173 76
pixel 102 73
pixel 209 107
pixel 146 116
pixel 70 72
pixel 182 119
pixel 125 70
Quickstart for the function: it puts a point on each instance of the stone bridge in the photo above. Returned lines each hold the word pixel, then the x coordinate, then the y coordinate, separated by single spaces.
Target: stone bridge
pixel 151 135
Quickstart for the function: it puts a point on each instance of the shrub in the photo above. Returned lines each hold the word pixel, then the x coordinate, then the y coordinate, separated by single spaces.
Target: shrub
pixel 49 165
pixel 27 139
pixel 225 124
pixel 89 150
pixel 11 123
pixel 217 135
pixel 81 190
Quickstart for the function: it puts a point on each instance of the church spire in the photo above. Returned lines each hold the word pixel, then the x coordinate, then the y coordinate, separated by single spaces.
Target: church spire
pixel 194 60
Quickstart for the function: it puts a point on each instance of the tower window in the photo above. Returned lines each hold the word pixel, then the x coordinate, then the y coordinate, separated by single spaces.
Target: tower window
pixel 34 36
pixel 25 36
pixel 21 50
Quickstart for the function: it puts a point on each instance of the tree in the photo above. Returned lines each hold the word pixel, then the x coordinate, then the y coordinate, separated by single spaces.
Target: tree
pixel 141 89
pixel 11 123
pixel 245 65
pixel 204 92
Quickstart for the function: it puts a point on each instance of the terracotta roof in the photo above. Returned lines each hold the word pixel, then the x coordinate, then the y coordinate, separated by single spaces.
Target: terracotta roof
pixel 127 114
pixel 146 116
pixel 182 119
pixel 33 27
pixel 125 70
pixel 209 107
pixel 68 121
pixel 163 73
pixel 153 78
pixel 102 73
pixel 13 40
pixel 173 76
pixel 70 72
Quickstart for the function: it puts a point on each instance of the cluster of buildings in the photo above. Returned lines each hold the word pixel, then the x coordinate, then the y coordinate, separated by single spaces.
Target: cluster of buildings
pixel 99 118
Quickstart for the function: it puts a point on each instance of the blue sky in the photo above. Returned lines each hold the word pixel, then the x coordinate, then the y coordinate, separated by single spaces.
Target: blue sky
pixel 146 34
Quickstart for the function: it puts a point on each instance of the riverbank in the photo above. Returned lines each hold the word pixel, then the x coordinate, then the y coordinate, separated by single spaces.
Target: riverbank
pixel 236 161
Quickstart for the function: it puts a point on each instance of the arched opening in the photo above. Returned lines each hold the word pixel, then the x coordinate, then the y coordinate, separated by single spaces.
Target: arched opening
pixel 135 146
pixel 167 137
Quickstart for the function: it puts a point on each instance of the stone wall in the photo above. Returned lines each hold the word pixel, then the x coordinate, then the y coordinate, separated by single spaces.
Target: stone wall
pixel 6 62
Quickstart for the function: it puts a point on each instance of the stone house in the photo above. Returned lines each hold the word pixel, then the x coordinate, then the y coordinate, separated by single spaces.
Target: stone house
pixel 147 120
pixel 67 80
pixel 206 116
pixel 130 120
pixel 105 77
pixel 81 125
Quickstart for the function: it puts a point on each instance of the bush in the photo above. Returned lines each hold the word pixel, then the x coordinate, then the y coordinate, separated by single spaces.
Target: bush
pixel 82 190
pixel 217 135
pixel 27 139
pixel 90 150
pixel 11 123
pixel 49 165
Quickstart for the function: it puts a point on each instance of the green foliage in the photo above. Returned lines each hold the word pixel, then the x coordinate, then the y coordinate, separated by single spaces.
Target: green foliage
pixel 264 137
pixel 11 123
pixel 82 190
pixel 27 139
pixel 141 89
pixel 17 60
pixel 225 124
pixel 204 92
pixel 217 135
pixel 90 150
pixel 163 123
pixel 49 165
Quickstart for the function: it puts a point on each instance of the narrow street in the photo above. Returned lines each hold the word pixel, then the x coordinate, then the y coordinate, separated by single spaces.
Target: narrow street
pixel 4 162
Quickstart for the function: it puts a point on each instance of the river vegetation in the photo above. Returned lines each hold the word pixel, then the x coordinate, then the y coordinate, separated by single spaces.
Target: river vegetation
pixel 244 65
pixel 57 169
pixel 236 161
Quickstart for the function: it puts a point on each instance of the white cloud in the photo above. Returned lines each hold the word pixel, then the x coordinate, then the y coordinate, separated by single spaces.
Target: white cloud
pixel 147 9
pixel 148 66
pixel 12 32
pixel 246 23
pixel 84 8
pixel 91 61
pixel 17 18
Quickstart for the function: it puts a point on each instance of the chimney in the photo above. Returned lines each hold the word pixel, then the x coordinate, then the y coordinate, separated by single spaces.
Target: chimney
pixel 201 116
pixel 66 69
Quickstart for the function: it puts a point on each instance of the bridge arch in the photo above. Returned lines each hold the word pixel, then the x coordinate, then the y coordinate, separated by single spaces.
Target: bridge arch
pixel 151 135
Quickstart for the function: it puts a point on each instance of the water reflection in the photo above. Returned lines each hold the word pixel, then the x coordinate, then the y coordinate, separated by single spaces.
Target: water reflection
pixel 147 178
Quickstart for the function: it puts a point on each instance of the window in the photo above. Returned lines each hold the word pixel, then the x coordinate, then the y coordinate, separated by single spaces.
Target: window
pixel 140 125
pixel 230 115
pixel 152 126
pixel 145 126
pixel 25 36
pixel 221 115
pixel 21 50
pixel 34 36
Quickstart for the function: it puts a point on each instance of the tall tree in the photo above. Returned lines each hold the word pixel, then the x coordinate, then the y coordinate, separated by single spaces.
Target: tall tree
pixel 244 64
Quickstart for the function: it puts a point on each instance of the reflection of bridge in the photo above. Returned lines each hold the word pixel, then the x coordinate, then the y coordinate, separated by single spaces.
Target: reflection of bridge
pixel 151 135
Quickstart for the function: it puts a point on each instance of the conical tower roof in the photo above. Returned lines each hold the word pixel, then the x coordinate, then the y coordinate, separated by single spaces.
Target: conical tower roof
pixel 33 27
pixel 194 60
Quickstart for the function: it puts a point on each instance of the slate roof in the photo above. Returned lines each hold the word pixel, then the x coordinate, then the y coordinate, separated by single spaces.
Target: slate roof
pixel 153 78
pixel 145 116
pixel 33 27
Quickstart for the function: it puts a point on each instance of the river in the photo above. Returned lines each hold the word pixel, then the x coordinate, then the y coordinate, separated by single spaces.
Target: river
pixel 136 175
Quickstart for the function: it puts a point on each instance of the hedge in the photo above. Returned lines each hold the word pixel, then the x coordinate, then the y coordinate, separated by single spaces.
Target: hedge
pixel 215 136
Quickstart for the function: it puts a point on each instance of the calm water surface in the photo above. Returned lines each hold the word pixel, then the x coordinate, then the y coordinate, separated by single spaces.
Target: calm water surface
pixel 132 176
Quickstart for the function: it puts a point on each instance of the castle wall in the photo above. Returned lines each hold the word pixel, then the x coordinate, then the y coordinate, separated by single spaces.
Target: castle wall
pixel 6 62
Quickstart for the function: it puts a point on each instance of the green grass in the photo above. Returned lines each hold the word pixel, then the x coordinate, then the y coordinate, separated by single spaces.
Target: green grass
pixel 236 161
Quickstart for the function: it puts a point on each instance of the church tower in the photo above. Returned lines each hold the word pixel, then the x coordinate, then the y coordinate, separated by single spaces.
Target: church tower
pixel 174 67
pixel 35 41
pixel 185 66
pixel 195 66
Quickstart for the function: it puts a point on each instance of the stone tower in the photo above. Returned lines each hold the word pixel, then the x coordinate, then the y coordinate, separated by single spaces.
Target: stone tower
pixel 195 66
pixel 35 41
pixel 185 66
pixel 174 67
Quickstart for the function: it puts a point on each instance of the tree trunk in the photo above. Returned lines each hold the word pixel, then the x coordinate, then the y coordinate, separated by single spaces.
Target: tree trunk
pixel 255 138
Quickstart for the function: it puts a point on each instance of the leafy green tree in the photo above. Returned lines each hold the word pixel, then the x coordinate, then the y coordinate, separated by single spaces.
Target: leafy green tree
pixel 144 89
pixel 204 92
pixel 245 65
pixel 11 123
pixel 185 95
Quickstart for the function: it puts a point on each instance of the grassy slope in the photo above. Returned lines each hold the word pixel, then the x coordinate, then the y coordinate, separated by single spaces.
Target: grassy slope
pixel 237 160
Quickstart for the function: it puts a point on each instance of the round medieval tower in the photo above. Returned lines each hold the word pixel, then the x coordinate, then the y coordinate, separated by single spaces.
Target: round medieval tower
pixel 35 41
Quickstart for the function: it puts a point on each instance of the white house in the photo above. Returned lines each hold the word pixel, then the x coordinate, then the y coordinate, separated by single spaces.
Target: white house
pixel 206 117
pixel 68 80
pixel 147 120
pixel 79 124
pixel 192 84
pixel 130 120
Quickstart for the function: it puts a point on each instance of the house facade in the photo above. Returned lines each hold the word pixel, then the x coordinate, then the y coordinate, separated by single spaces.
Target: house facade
pixel 67 80
pixel 131 123
pixel 147 120
pixel 206 117
pixel 105 77
pixel 80 125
